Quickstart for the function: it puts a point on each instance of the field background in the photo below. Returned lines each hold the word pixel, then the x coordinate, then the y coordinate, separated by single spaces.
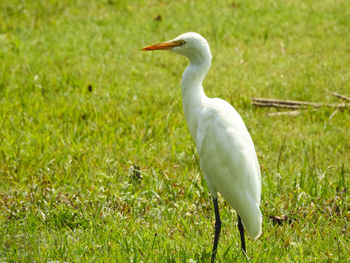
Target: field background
pixel 82 109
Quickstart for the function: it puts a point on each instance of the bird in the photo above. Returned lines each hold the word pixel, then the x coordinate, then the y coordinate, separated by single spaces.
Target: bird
pixel 226 151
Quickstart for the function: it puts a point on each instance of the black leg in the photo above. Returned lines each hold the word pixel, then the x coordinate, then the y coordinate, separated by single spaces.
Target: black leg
pixel 217 228
pixel 241 232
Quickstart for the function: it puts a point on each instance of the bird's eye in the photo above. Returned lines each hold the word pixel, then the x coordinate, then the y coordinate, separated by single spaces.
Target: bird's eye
pixel 182 42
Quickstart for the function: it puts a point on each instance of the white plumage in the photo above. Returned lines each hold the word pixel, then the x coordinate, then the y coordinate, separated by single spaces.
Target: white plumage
pixel 225 148
pixel 229 162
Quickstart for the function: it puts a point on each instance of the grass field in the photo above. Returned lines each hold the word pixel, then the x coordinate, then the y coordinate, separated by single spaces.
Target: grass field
pixel 81 108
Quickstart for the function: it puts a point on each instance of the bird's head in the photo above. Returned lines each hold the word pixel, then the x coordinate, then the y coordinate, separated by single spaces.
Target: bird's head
pixel 191 45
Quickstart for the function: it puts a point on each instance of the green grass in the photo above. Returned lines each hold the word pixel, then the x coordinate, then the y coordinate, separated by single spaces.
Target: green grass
pixel 67 191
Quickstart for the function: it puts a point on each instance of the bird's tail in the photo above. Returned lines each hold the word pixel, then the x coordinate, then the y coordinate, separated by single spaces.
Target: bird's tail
pixel 252 220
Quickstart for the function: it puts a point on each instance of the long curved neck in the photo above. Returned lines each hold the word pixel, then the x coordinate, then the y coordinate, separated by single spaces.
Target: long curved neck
pixel 192 89
pixel 192 80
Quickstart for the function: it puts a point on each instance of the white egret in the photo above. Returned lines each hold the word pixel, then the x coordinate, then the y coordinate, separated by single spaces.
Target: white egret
pixel 225 148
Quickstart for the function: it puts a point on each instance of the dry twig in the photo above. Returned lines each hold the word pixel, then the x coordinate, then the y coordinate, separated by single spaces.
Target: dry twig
pixel 340 96
pixel 280 113
pixel 293 104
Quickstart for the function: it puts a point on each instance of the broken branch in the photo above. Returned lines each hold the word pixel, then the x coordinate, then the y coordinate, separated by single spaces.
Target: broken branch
pixel 340 96
pixel 293 104
pixel 280 113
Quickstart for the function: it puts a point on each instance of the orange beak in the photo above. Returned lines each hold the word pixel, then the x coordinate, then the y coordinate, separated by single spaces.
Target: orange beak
pixel 164 45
